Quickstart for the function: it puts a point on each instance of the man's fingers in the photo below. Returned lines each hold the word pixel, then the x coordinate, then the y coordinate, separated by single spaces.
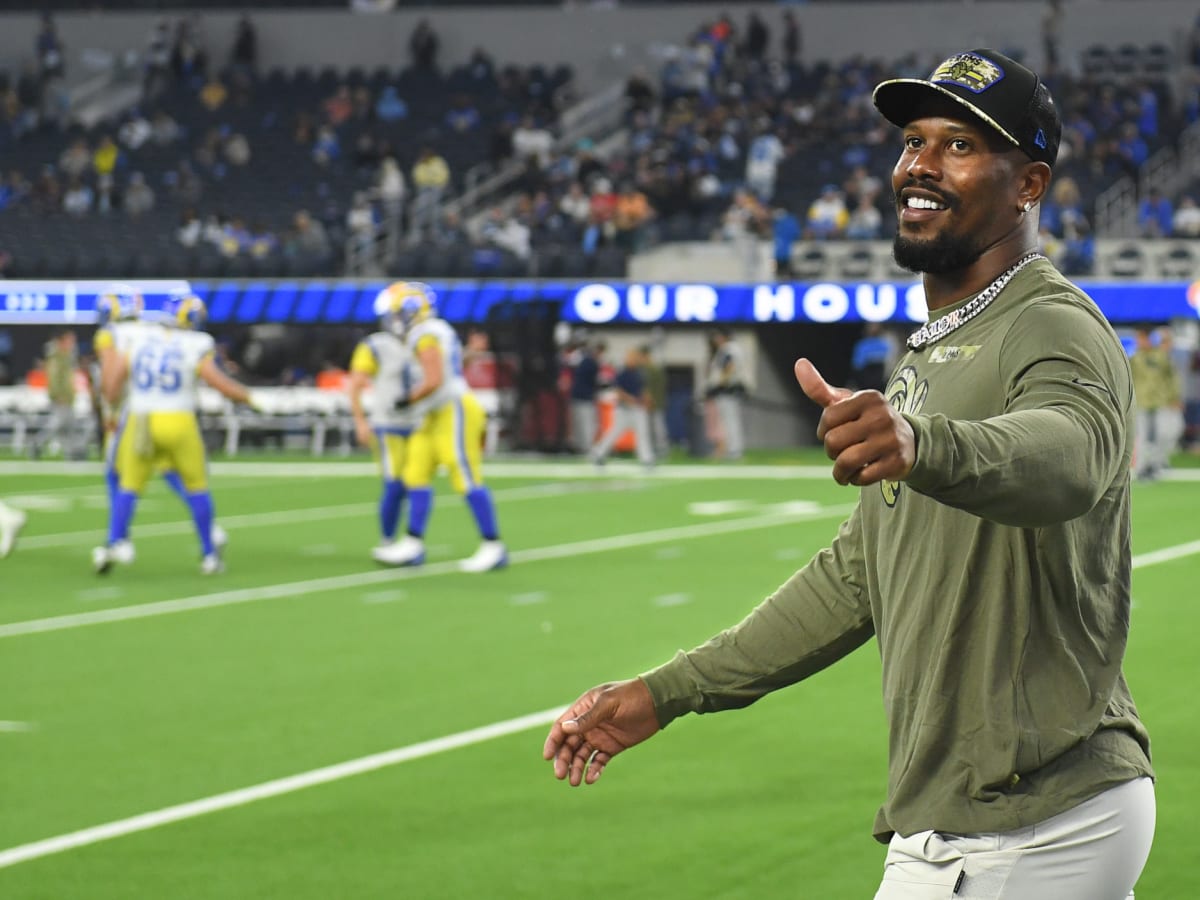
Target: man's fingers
pixel 815 387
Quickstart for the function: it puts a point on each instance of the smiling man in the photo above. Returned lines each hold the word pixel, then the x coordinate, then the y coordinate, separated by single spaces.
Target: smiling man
pixel 989 552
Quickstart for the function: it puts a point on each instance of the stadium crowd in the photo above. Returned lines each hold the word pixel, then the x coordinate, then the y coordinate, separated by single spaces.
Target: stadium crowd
pixel 223 168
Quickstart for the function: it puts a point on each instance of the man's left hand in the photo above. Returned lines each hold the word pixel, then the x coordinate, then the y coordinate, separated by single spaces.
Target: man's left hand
pixel 865 436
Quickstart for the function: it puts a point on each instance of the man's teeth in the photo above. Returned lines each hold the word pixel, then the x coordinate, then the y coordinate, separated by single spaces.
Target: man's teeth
pixel 922 203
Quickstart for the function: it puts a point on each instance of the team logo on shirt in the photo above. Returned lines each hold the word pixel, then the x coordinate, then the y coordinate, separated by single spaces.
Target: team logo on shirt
pixel 942 354
pixel 907 395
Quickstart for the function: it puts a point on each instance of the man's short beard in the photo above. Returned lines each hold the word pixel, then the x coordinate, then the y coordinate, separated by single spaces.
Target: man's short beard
pixel 938 256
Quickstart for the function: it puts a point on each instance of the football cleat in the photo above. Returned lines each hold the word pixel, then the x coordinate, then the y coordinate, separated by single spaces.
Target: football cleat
pixel 122 552
pixel 101 560
pixel 408 551
pixel 491 555
pixel 11 523
pixel 211 564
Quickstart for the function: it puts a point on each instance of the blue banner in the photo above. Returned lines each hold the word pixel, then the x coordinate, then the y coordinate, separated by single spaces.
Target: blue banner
pixel 351 302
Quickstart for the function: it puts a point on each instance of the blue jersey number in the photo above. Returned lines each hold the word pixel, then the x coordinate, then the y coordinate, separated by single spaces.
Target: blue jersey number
pixel 160 368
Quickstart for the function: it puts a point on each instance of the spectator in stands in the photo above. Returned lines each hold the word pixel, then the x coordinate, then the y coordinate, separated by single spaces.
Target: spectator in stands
pixel 391 188
pixel 139 196
pixel 1155 214
pixel 423 46
pixel 106 157
pixel 531 139
pixel 236 149
pixel 135 130
pixel 263 243
pixel 1186 221
pixel 14 190
pixel 865 222
pixel 189 58
pixel 184 184
pixel 78 198
pixel 1052 21
pixel 46 194
pixel 214 93
pixel 639 93
pixel 338 107
pixel 762 163
pixel 791 38
pixel 430 178
pixel 502 231
pixel 827 215
pixel 785 233
pixel 758 38
pixel 575 205
pixel 743 224
pixel 190 229
pixel 157 66
pixel 48 46
pixel 462 116
pixel 164 130
pixel 631 216
pixel 390 107
pixel 362 224
pixel 244 55
pixel 327 149
pixel 1132 149
pixel 308 239
pixel 76 159
pixel 860 184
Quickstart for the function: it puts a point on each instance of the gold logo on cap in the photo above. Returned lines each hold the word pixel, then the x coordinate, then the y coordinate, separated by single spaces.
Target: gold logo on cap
pixel 967 70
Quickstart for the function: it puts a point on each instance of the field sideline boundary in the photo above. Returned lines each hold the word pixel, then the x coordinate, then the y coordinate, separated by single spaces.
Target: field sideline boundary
pixel 385 576
pixel 327 774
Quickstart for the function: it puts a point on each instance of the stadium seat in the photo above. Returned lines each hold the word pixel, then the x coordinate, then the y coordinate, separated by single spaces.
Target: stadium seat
pixel 1178 262
pixel 810 262
pixel 1127 262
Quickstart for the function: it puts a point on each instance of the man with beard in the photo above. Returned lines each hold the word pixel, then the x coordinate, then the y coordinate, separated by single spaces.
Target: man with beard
pixel 989 552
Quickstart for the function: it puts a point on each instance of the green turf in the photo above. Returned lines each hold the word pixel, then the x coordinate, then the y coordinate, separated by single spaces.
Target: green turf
pixel 129 717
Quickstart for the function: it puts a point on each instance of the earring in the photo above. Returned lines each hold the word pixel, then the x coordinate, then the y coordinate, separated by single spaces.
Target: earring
pixel 1027 206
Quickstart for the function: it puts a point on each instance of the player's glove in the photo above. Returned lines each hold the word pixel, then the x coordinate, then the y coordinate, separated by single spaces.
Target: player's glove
pixel 402 403
pixel 254 400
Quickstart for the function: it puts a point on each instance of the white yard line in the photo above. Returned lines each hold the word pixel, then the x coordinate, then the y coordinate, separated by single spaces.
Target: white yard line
pixel 374 762
pixel 384 576
pixel 288 516
pixel 276 788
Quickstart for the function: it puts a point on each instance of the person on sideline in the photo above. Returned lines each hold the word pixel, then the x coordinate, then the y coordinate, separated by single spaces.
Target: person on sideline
pixel 450 434
pixel 989 551
pixel 631 412
pixel 725 388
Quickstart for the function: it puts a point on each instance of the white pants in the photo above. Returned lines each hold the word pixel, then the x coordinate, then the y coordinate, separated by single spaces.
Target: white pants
pixel 1158 435
pixel 584 423
pixel 729 412
pixel 1094 851
pixel 625 418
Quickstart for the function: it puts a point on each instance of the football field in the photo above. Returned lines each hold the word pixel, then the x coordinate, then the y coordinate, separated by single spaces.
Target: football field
pixel 308 725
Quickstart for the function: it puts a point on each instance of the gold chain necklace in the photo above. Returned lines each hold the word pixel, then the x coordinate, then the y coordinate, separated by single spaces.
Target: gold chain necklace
pixel 937 329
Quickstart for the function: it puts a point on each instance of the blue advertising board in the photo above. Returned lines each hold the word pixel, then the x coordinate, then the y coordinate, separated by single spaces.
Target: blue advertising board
pixel 352 302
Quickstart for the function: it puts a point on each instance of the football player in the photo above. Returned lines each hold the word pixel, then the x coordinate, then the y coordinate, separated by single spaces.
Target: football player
pixel 383 363
pixel 118 314
pixel 450 434
pixel 159 365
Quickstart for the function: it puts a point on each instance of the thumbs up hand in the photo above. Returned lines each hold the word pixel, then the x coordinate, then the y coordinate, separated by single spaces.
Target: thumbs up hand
pixel 865 436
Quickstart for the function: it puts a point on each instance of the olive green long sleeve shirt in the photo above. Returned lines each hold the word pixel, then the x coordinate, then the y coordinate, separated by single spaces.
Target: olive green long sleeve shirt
pixel 995 579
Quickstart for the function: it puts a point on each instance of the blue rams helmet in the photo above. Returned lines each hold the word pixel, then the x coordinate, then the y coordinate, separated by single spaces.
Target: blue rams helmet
pixel 119 303
pixel 403 304
pixel 185 311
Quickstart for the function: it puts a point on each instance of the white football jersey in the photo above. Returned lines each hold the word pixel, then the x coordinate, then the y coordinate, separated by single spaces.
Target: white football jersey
pixel 453 384
pixel 163 367
pixel 394 379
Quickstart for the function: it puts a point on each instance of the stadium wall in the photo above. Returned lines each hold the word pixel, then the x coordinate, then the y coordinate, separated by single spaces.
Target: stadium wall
pixel 602 44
